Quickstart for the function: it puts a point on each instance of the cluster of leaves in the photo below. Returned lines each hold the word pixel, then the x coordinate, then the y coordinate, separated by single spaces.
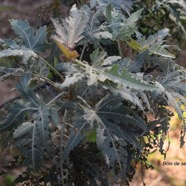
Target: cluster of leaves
pixel 93 125
pixel 163 13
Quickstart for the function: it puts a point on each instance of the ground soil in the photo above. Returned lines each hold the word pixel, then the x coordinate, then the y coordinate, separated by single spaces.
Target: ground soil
pixel 163 175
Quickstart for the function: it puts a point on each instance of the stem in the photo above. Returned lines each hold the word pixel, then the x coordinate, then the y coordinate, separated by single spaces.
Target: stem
pixel 54 98
pixel 45 79
pixel 48 64
pixel 119 48
pixel 82 53
pixel 61 145
pixel 84 102
pixel 79 62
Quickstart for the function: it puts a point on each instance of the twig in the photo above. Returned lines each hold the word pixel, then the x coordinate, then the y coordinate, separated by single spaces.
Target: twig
pixel 54 98
pixel 82 53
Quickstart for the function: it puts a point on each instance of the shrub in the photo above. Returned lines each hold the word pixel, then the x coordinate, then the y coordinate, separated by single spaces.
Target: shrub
pixel 93 96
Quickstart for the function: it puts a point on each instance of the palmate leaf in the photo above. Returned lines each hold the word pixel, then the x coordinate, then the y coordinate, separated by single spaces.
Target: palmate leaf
pixel 124 29
pixel 116 74
pixel 154 43
pixel 15 116
pixel 113 154
pixel 98 58
pixel 111 118
pixel 70 31
pixel 41 113
pixel 30 147
pixel 26 93
pixel 95 30
pixel 33 39
pixel 32 138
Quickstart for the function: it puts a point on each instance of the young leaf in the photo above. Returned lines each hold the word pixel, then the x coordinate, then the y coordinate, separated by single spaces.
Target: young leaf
pixel 154 43
pixel 128 27
pixel 68 54
pixel 97 57
pixel 71 29
pixel 95 30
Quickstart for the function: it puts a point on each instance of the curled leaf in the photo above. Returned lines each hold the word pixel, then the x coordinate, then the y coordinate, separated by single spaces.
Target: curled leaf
pixel 69 55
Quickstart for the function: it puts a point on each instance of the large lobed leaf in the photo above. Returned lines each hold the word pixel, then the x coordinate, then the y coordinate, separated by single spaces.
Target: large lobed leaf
pixel 32 39
pixel 111 118
pixel 32 138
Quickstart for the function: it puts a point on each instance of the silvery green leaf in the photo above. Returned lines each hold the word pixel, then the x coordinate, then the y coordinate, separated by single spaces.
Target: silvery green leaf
pixel 69 32
pixel 154 43
pixel 110 60
pixel 97 57
pixel 23 51
pixel 70 80
pixel 35 40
